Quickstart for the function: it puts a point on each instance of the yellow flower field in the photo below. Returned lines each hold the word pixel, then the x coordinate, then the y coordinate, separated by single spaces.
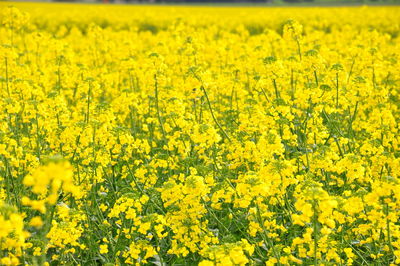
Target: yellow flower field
pixel 171 135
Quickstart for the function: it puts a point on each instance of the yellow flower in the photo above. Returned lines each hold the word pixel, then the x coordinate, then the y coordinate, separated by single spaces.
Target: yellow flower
pixel 37 251
pixel 103 249
pixel 36 222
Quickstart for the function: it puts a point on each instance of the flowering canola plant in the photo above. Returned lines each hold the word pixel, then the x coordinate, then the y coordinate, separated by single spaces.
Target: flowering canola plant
pixel 148 135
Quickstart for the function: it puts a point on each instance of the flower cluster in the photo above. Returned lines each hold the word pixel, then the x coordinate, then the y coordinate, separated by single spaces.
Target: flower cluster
pixel 197 136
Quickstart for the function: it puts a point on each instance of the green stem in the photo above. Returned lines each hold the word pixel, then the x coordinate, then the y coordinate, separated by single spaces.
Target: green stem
pixel 212 114
pixel 388 228
pixel 315 218
pixel 88 102
pixel 157 107
pixel 316 77
pixel 298 48
pixel 7 87
pixel 337 90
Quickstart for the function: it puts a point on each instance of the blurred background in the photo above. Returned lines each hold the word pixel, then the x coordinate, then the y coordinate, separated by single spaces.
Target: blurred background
pixel 237 2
